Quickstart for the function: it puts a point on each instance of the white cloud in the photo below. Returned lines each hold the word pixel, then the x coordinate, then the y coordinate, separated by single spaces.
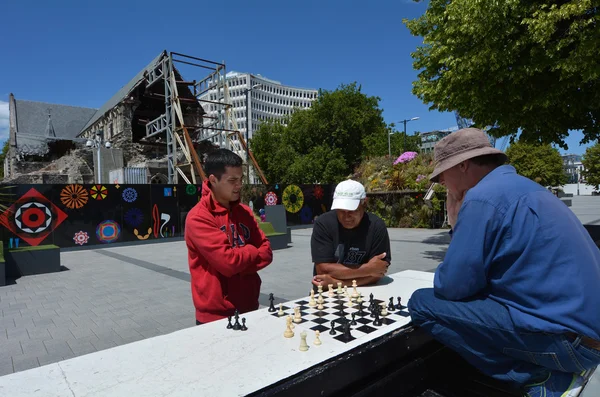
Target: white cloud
pixel 3 121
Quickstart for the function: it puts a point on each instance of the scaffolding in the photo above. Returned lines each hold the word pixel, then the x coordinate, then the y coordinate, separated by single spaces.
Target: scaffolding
pixel 181 152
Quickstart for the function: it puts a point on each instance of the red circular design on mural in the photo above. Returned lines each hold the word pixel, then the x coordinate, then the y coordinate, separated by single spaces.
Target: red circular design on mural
pixel 270 198
pixel 33 217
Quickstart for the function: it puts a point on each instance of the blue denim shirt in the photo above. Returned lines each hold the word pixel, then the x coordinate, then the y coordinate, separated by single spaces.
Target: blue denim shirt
pixel 517 243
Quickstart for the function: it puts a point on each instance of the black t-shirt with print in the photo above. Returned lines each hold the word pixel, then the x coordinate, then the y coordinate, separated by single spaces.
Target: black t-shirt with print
pixel 332 243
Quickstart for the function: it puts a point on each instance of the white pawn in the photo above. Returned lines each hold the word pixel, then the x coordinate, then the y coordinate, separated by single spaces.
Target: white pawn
pixel 320 298
pixel 320 288
pixel 317 339
pixel 297 317
pixel 360 299
pixel 303 344
pixel 330 293
pixel 288 329
pixel 384 311
pixel 280 313
pixel 339 288
pixel 312 302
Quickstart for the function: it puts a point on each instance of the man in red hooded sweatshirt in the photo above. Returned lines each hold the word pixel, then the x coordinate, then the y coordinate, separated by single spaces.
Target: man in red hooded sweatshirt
pixel 226 248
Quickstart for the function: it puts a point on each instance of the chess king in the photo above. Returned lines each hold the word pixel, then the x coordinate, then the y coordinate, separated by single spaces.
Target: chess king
pixel 226 248
pixel 348 243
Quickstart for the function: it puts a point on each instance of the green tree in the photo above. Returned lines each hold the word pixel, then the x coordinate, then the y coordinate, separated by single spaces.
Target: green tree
pixel 515 65
pixel 540 163
pixel 591 164
pixel 324 143
pixel 2 157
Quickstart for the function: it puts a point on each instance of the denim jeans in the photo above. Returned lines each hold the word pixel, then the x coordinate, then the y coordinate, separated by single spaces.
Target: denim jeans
pixel 482 332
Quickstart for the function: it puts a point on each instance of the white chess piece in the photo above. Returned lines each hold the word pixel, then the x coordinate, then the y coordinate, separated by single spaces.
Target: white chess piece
pixel 360 299
pixel 288 329
pixel 384 311
pixel 355 292
pixel 339 288
pixel 312 302
pixel 281 312
pixel 297 317
pixel 320 288
pixel 317 339
pixel 330 292
pixel 303 344
pixel 320 298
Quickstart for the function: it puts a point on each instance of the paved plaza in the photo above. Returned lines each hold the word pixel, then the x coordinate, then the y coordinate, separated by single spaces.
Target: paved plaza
pixel 115 295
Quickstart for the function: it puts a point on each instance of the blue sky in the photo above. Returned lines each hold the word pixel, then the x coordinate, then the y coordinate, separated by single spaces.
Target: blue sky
pixel 80 53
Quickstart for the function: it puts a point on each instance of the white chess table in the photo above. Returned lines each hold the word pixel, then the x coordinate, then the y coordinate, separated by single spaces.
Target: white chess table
pixel 209 360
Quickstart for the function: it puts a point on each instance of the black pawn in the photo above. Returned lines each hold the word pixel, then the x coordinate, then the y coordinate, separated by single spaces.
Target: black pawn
pixel 229 326
pixel 391 305
pixel 237 326
pixel 244 328
pixel 360 308
pixel 271 305
pixel 371 298
pixel 353 322
pixel 332 331
pixel 399 305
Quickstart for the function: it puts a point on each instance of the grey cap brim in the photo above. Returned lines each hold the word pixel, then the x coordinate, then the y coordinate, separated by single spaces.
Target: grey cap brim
pixel 458 158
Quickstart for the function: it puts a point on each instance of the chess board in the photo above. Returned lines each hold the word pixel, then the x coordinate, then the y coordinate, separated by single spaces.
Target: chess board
pixel 336 310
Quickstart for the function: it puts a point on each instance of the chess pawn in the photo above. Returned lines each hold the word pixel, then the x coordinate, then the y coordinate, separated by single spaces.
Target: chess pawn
pixel 297 317
pixel 339 288
pixel 280 313
pixel 384 311
pixel 303 344
pixel 312 302
pixel 317 339
pixel 330 290
pixel 359 299
pixel 320 298
pixel 320 306
pixel 320 288
pixel 288 329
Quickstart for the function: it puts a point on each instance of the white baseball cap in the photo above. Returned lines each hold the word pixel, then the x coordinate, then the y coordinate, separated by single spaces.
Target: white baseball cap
pixel 347 195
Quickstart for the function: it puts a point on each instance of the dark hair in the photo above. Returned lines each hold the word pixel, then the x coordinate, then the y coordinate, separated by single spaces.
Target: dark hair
pixel 492 160
pixel 218 159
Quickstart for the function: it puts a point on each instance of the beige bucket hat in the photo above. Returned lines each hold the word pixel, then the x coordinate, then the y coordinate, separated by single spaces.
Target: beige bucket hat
pixel 459 146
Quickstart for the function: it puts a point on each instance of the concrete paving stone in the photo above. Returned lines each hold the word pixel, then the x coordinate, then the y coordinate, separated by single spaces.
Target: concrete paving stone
pixel 58 348
pixel 103 344
pixel 49 359
pixel 47 312
pixel 18 305
pixel 126 323
pixel 24 322
pixel 61 333
pixel 81 347
pixel 18 334
pixel 52 305
pixel 149 332
pixel 167 329
pixel 6 369
pixel 126 332
pixel 108 335
pixel 63 321
pixel 11 312
pixel 30 313
pixel 22 363
pixel 80 332
pixel 38 333
pixel 43 322
pixel 8 322
pixel 10 348
pixel 35 347
pixel 3 335
pixel 104 322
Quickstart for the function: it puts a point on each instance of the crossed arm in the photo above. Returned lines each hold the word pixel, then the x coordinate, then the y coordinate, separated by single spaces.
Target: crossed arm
pixel 368 273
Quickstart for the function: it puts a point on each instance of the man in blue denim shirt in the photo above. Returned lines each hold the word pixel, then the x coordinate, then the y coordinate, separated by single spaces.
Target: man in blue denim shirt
pixel 518 293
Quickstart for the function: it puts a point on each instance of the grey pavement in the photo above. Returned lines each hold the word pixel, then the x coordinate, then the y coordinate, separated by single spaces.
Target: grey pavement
pixel 111 296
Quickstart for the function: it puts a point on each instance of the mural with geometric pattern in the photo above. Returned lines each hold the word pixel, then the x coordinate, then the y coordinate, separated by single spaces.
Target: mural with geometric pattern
pixel 77 215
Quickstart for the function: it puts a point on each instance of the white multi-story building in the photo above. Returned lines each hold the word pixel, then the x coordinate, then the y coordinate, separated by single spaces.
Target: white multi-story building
pixel 270 100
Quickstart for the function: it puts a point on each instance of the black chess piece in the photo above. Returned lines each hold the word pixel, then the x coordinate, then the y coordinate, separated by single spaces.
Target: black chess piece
pixel 371 298
pixel 272 304
pixel 377 322
pixel 353 322
pixel 237 326
pixel 391 305
pixel 244 328
pixel 360 308
pixel 229 326
pixel 372 309
pixel 399 305
pixel 347 334
pixel 332 331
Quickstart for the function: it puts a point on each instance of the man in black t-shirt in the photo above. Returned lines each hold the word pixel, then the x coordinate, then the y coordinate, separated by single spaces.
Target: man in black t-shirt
pixel 348 243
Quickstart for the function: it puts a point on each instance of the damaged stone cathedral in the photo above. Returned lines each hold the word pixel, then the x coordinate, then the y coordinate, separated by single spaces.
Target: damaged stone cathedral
pixel 51 143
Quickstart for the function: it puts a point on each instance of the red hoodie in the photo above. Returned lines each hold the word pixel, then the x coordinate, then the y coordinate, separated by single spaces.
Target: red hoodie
pixel 226 249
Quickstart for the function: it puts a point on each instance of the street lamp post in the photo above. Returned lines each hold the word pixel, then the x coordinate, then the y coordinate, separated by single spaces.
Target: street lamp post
pixel 404 141
pixel 248 122
pixel 97 143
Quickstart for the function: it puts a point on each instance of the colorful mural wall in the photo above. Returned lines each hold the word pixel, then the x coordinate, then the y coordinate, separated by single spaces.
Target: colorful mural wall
pixel 85 215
